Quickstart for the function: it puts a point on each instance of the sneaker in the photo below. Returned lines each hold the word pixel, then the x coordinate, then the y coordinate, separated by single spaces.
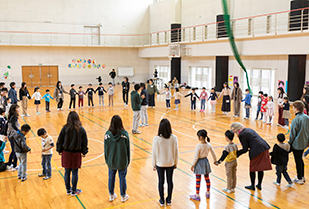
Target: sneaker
pixel 145 124
pixel 46 177
pixel 276 183
pixel 125 198
pixel 38 113
pixel 88 106
pixel 58 109
pixel 23 179
pixel 255 119
pixel 259 186
pixel 161 203
pixel 233 190
pixel 195 197
pixel 27 115
pixel 246 118
pixel 207 195
pixel 141 125
pixel 9 167
pixel 23 115
pixel 112 197
pixel 250 187
pixel 69 108
pixel 227 190
pixel 82 107
pixel 61 109
pixel 93 106
pixel 78 191
pixel 286 127
pixel 299 181
pixel 14 169
pixel 168 202
pixel 6 151
pixel 263 121
pixel 19 177
pixel 69 192
pixel 41 175
pixel 136 132
pixel 290 185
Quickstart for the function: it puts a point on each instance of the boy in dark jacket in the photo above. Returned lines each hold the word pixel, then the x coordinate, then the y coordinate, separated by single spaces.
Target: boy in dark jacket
pixel 136 101
pixel 21 150
pixel 90 92
pixel 193 97
pixel 280 157
pixel 73 94
pixel 12 93
pixel 101 91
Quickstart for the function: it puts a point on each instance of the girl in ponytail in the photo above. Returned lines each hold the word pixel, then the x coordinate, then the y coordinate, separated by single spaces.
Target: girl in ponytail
pixel 201 164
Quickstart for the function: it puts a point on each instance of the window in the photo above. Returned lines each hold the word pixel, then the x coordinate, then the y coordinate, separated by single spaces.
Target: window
pixel 260 80
pixel 164 73
pixel 200 77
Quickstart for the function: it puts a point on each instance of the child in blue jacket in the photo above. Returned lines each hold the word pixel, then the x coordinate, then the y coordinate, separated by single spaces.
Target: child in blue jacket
pixel 247 101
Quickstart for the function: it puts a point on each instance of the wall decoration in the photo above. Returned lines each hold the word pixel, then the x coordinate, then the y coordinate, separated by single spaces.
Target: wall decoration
pixel 6 72
pixel 235 79
pixel 93 61
pixel 79 65
pixel 94 66
pixel 85 63
pixel 89 66
pixel 73 60
pixel 89 61
pixel 307 82
pixel 70 65
pixel 281 83
pixel 98 66
pixel 103 66
pixel 230 80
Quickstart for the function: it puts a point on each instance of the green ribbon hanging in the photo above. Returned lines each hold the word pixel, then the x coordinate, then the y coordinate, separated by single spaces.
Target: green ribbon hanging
pixel 230 34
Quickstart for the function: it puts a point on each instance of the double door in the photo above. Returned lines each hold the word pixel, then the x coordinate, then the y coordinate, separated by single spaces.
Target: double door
pixel 40 75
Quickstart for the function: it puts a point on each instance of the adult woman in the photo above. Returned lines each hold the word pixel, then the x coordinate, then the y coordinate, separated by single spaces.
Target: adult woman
pixel 306 103
pixel 175 83
pixel 155 73
pixel 237 97
pixel 72 144
pixel 299 139
pixel 24 96
pixel 258 152
pixel 305 91
pixel 152 90
pixel 281 96
pixel 58 95
pixel 226 103
pixel 117 156
pixel 13 127
pixel 165 158
pixel 125 90
pixel 112 74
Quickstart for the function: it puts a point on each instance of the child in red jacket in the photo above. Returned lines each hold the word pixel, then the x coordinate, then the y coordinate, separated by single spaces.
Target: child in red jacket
pixel 264 103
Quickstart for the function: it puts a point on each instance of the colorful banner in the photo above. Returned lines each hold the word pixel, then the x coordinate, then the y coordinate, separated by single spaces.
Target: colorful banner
pixel 6 72
pixel 83 63
pixel 281 83
pixel 230 80
pixel 235 80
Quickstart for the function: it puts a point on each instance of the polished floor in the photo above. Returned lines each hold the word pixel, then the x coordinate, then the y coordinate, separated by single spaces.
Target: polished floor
pixel 141 180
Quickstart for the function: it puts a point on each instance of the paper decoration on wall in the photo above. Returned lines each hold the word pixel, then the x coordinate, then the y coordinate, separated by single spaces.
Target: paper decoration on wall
pixel 6 72
pixel 103 66
pixel 89 61
pixel 235 79
pixel 73 60
pixel 70 65
pixel 85 63
pixel 307 82
pixel 79 65
pixel 94 66
pixel 230 80
pixel 93 61
pixel 281 83
pixel 89 66
pixel 98 66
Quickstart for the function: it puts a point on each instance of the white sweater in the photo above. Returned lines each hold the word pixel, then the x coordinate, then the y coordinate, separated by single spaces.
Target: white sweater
pixel 37 96
pixel 202 151
pixel 165 151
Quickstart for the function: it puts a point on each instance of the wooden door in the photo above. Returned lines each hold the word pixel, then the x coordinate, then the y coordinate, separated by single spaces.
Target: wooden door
pixel 26 74
pixel 53 75
pixel 45 79
pixel 36 76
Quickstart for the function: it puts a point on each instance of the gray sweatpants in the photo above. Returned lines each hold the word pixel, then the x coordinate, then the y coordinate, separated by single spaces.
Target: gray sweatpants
pixel 136 119
pixel 144 115
pixel 101 99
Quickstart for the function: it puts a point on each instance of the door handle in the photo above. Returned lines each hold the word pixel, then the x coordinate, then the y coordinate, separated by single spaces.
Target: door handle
pixel 31 76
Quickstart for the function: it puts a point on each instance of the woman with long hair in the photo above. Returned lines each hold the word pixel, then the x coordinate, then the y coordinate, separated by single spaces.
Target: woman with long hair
pixel 72 145
pixel 237 97
pixel 24 96
pixel 281 96
pixel 13 127
pixel 226 102
pixel 58 95
pixel 165 158
pixel 152 90
pixel 117 157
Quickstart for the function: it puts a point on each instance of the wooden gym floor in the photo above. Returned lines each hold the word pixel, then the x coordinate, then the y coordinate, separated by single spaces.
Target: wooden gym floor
pixel 141 180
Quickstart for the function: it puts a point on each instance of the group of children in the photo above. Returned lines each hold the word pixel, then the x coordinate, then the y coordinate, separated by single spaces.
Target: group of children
pixel 201 165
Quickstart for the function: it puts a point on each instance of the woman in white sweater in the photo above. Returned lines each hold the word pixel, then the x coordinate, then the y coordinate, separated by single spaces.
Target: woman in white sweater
pixel 165 158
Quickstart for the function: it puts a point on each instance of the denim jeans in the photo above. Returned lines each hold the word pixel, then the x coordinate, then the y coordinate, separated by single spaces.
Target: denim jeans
pixel 203 101
pixel 193 104
pixel 281 169
pixel 169 175
pixel 122 178
pixel 22 169
pixel 307 152
pixel 46 165
pixel 67 177
pixel 258 112
pixel 286 121
pixel 168 103
pixel 12 158
pixel 247 112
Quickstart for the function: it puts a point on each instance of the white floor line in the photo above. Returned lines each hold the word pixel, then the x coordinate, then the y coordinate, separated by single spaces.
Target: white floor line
pixel 166 113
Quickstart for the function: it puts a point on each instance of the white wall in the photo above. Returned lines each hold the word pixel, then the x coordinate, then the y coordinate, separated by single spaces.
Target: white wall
pixel 62 56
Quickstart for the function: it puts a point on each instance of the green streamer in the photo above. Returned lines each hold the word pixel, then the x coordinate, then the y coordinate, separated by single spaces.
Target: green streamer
pixel 230 34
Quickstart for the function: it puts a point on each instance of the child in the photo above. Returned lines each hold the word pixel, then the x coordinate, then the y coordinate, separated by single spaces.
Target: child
pixel 3 141
pixel 90 92
pixel 37 99
pixel 47 98
pixel 203 97
pixel 286 112
pixel 201 164
pixel 81 97
pixel 136 101
pixel 144 106
pixel 213 100
pixel 3 122
pixel 72 96
pixel 101 91
pixel 270 109
pixel 280 157
pixel 230 156
pixel 247 101
pixel 193 97
pixel 12 93
pixel 168 96
pixel 47 152
pixel 21 150
pixel 260 98
pixel 110 91
pixel 177 96
pixel 263 109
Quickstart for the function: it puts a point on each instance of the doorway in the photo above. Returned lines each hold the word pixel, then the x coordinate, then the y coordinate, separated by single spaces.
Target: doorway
pixel 42 76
